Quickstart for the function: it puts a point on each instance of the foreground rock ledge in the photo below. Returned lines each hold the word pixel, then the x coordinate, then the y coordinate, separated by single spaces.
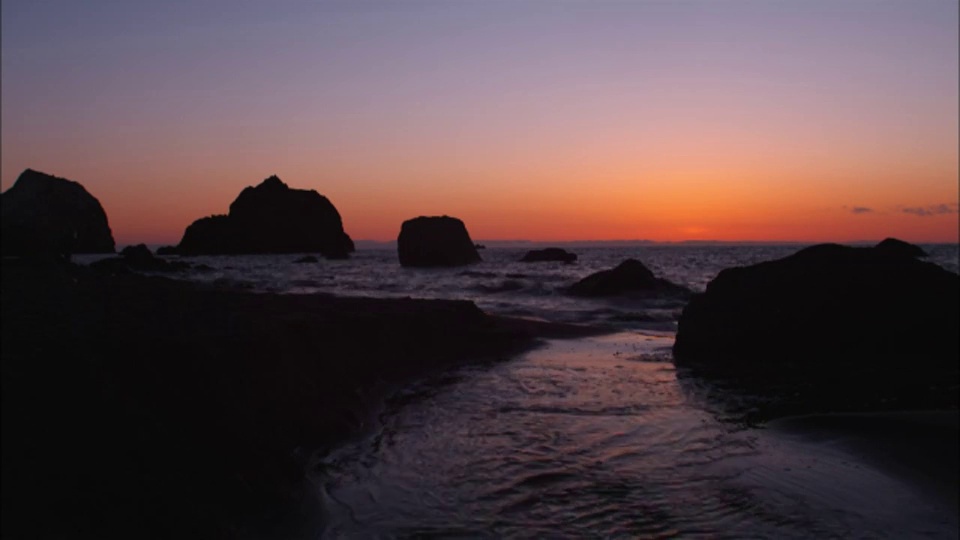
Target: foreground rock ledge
pixel 145 407
pixel 843 327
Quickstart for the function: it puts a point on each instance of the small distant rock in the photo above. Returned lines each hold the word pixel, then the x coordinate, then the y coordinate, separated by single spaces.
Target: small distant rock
pixel 307 259
pixel 167 250
pixel 631 276
pixel 549 255
pixel 44 214
pixel 435 241
pixel 480 246
pixel 137 258
pixel 899 248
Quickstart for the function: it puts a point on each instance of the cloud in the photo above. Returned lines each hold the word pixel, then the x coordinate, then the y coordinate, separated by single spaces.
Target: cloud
pixel 932 210
pixel 860 210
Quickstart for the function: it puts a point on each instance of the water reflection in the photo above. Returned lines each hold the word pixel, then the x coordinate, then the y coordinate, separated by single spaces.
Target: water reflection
pixel 594 438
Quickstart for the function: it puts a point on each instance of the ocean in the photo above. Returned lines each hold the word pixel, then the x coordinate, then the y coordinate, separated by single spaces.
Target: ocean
pixel 584 438
pixel 501 285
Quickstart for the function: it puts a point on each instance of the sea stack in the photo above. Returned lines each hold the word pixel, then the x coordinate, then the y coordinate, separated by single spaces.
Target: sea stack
pixel 435 241
pixel 271 218
pixel 44 214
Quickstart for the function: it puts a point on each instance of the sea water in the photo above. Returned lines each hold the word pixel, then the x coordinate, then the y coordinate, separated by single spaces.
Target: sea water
pixel 597 437
pixel 502 285
pixel 600 438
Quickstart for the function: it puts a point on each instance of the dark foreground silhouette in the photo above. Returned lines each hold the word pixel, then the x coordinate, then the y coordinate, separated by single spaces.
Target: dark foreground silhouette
pixel 836 327
pixel 144 407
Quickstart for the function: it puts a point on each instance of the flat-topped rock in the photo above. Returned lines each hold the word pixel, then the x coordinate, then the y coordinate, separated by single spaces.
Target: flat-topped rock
pixel 271 218
pixel 44 214
pixel 435 241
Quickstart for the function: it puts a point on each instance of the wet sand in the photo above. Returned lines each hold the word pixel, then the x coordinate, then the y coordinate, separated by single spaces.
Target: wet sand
pixel 919 448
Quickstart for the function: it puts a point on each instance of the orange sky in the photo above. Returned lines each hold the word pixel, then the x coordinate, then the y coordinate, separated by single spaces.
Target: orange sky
pixel 763 121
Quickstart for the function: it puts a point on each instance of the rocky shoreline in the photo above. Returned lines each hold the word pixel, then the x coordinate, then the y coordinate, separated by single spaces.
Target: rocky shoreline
pixel 147 407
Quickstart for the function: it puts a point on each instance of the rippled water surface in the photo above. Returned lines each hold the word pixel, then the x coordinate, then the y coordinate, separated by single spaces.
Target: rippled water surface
pixel 502 285
pixel 583 438
pixel 598 437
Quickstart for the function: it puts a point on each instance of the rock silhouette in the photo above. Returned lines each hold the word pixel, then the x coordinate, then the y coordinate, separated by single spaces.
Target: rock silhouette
pixel 843 321
pixel 893 246
pixel 137 258
pixel 190 408
pixel 271 218
pixel 549 255
pixel 630 276
pixel 48 215
pixel 435 241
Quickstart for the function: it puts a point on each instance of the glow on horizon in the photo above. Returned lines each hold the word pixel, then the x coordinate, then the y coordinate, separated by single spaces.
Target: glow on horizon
pixel 741 120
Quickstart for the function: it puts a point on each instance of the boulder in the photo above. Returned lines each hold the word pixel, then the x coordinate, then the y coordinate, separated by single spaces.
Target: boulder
pixel 840 321
pixel 271 218
pixel 629 277
pixel 137 258
pixel 549 255
pixel 893 246
pixel 167 250
pixel 44 214
pixel 435 241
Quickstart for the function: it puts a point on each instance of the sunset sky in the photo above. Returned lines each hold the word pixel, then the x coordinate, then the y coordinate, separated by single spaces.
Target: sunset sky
pixel 541 119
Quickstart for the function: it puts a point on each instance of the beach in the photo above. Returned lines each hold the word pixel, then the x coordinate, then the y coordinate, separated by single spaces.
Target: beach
pixel 147 407
pixel 138 405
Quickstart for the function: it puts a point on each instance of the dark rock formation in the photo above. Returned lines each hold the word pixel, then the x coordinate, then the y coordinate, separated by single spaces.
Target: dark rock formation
pixel 271 218
pixel 843 324
pixel 307 259
pixel 167 250
pixel 549 255
pixel 43 215
pixel 138 407
pixel 630 277
pixel 435 241
pixel 893 246
pixel 137 258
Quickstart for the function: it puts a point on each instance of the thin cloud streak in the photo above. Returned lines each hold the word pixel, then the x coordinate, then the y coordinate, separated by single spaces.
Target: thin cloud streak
pixel 932 210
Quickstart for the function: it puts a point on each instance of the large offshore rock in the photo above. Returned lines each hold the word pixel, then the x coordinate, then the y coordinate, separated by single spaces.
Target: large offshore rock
pixel 44 214
pixel 435 241
pixel 271 218
pixel 838 319
pixel 629 277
